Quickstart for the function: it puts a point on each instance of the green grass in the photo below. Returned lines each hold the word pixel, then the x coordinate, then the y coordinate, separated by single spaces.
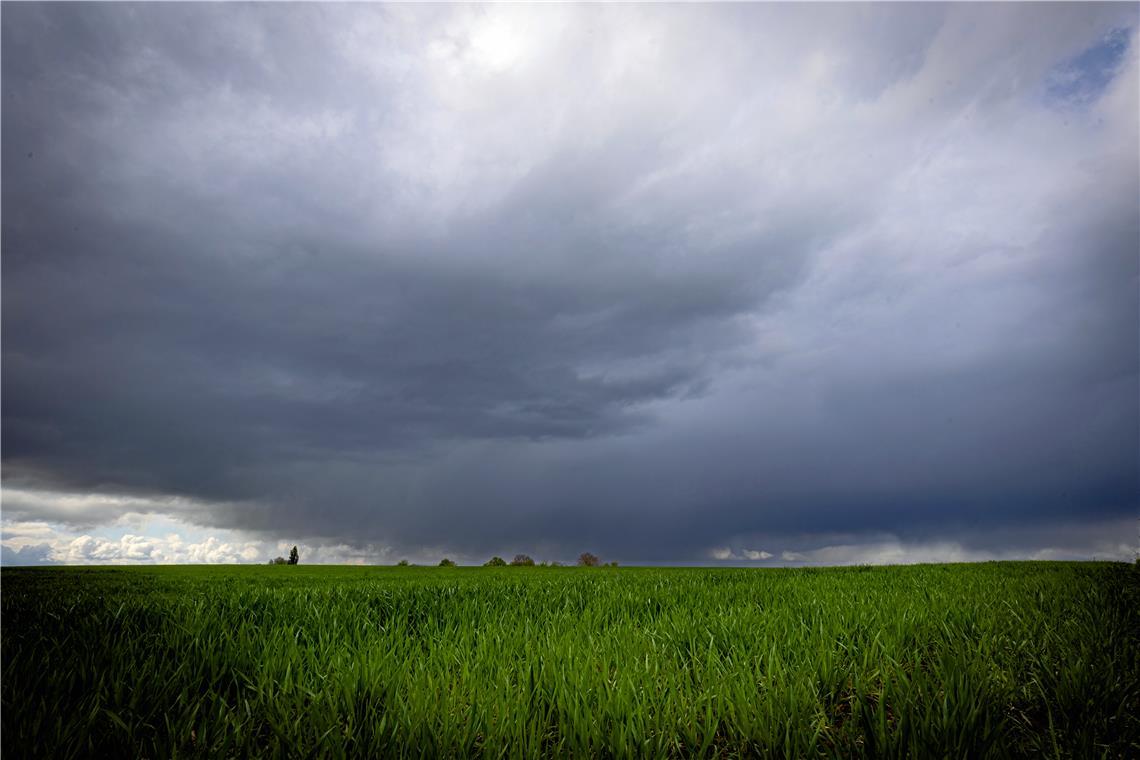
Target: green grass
pixel 1002 659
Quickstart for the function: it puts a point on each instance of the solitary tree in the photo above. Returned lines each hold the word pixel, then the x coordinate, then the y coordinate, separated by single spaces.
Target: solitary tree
pixel 402 563
pixel 445 562
pixel 522 560
pixel 293 556
pixel 586 559
pixel 495 562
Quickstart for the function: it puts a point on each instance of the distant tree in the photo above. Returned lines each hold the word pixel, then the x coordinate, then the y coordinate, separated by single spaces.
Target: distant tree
pixel 611 564
pixel 402 563
pixel 278 561
pixel 586 559
pixel 445 562
pixel 522 560
pixel 294 557
pixel 495 562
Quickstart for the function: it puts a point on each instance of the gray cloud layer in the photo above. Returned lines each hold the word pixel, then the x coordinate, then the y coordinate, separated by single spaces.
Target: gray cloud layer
pixel 644 279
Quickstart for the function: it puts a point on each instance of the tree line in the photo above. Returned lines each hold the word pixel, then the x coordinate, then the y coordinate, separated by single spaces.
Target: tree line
pixel 585 559
pixel 294 558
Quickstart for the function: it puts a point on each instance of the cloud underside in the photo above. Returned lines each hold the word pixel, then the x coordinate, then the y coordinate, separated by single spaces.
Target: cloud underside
pixel 670 283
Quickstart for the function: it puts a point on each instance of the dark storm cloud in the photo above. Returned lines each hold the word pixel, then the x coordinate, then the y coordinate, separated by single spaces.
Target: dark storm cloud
pixel 491 277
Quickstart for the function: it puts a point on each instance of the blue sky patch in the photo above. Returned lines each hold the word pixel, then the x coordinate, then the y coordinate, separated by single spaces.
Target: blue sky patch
pixel 1082 79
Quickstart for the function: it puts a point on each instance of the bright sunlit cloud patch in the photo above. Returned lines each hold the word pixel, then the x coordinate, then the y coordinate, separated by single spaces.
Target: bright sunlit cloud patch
pixel 498 42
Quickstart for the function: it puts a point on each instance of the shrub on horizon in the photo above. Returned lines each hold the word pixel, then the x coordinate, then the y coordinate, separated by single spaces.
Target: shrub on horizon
pixel 522 560
pixel 587 559
pixel 445 562
pixel 495 562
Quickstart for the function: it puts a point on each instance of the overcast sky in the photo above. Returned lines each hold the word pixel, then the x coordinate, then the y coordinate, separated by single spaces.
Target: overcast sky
pixel 738 284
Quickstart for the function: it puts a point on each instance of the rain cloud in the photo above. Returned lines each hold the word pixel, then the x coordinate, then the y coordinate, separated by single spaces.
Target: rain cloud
pixel 676 284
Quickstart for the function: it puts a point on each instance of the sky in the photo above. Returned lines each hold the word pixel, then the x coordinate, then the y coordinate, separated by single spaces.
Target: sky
pixel 675 284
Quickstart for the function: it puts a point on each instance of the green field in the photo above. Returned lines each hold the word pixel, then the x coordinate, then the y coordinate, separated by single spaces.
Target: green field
pixel 1000 659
